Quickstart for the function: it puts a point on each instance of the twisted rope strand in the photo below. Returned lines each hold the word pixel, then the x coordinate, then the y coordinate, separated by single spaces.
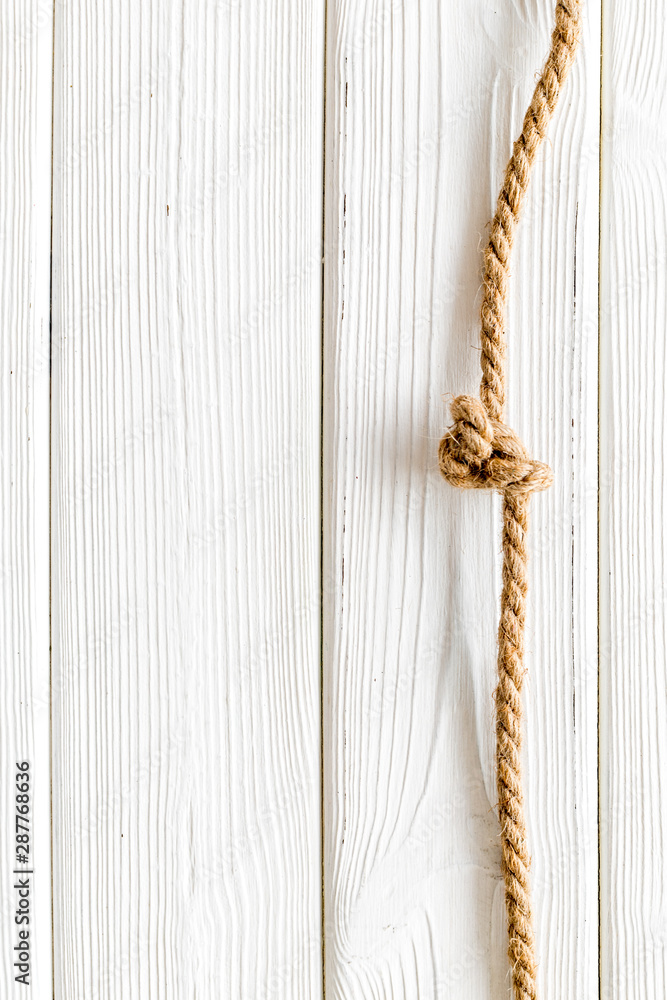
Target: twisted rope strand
pixel 481 452
pixel 510 200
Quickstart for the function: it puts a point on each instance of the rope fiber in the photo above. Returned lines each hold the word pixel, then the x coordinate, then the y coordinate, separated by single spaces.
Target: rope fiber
pixel 480 452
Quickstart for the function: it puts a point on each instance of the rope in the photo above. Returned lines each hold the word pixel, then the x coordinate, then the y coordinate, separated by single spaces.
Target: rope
pixel 480 452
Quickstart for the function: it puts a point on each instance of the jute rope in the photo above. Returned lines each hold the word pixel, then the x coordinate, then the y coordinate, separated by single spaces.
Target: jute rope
pixel 480 452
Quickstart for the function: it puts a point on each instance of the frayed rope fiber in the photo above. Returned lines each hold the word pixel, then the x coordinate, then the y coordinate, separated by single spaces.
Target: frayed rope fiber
pixel 481 452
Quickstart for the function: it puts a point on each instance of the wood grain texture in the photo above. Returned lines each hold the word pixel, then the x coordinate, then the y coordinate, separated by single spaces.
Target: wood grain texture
pixel 633 578
pixel 186 493
pixel 26 31
pixel 423 102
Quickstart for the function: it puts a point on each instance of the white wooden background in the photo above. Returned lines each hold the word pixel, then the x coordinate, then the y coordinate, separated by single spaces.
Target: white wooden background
pixel 239 278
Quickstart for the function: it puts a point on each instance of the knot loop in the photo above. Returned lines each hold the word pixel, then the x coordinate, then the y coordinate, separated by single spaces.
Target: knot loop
pixel 480 453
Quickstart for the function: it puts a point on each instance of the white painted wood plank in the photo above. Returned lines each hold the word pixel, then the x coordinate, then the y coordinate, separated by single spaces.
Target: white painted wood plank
pixel 633 579
pixel 423 103
pixel 186 499
pixel 26 31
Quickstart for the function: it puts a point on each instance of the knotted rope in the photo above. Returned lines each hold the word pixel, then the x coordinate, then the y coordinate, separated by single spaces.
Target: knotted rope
pixel 481 452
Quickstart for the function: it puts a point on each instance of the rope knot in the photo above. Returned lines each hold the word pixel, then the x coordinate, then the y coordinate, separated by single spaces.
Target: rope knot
pixel 480 453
